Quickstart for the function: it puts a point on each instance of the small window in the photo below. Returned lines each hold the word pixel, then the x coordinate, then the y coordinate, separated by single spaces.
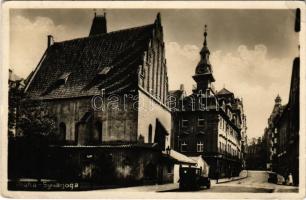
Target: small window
pixel 185 123
pixel 200 146
pixel 201 121
pixel 201 132
pixel 150 134
pixel 104 71
pixel 64 77
pixel 183 146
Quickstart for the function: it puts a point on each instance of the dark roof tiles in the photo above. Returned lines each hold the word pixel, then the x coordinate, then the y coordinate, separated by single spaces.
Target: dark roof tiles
pixel 84 58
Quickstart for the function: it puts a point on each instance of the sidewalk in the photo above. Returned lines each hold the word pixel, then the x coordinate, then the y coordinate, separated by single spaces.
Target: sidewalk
pixel 243 174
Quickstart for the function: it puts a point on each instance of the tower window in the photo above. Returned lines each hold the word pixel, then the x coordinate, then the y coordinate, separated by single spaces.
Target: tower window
pixel 185 122
pixel 200 146
pixel 201 121
pixel 183 146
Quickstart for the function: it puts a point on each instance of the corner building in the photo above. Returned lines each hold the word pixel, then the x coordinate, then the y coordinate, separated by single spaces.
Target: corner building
pixel 209 123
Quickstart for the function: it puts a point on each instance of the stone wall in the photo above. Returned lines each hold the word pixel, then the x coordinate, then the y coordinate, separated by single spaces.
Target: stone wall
pixel 149 112
pixel 118 120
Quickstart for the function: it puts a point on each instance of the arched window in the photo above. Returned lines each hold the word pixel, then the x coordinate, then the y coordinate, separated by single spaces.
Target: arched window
pixel 62 131
pixel 98 127
pixel 76 133
pixel 150 134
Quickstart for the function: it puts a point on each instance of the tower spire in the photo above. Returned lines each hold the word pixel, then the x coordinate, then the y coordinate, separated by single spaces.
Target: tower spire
pixel 203 73
pixel 205 35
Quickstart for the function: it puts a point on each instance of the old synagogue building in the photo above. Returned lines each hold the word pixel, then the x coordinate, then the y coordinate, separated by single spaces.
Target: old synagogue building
pixel 108 93
pixel 209 123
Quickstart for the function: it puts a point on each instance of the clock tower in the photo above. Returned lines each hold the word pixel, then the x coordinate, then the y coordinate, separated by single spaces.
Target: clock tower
pixel 203 73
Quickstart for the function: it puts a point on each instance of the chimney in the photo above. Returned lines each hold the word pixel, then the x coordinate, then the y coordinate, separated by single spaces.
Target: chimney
pixel 99 25
pixel 182 87
pixel 50 40
pixel 297 25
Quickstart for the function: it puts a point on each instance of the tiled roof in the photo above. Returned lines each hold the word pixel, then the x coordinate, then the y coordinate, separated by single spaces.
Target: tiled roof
pixel 224 91
pixel 83 63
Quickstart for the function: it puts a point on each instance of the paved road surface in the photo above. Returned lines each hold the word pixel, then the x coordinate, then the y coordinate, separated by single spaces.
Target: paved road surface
pixel 255 182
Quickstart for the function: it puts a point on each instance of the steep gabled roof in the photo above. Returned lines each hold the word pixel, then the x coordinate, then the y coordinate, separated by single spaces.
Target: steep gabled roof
pixel 87 60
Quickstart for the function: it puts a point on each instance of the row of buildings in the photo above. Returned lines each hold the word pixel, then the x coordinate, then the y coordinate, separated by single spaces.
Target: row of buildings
pixel 282 133
pixel 141 131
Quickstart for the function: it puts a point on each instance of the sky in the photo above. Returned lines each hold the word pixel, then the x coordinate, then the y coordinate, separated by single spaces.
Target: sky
pixel 252 51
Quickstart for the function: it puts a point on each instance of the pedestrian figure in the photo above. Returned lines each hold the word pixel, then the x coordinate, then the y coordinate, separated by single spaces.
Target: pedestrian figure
pixel 290 179
pixel 217 176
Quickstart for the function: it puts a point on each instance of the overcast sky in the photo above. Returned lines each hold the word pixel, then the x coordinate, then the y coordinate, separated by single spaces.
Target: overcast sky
pixel 251 50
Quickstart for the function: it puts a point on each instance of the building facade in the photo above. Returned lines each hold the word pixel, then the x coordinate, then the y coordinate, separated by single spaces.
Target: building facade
pixel 209 123
pixel 108 94
pixel 285 159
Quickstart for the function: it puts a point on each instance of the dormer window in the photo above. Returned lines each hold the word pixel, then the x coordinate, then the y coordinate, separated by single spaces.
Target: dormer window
pixel 64 77
pixel 104 71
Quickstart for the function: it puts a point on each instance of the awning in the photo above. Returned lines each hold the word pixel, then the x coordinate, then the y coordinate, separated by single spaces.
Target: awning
pixel 179 158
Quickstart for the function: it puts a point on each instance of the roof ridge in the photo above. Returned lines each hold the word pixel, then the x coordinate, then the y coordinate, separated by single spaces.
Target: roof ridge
pixel 104 34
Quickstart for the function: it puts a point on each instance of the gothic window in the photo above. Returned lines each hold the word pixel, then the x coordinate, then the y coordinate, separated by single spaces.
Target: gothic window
pixel 62 131
pixel 183 146
pixel 150 134
pixel 148 77
pixel 153 74
pixel 98 127
pixel 200 146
